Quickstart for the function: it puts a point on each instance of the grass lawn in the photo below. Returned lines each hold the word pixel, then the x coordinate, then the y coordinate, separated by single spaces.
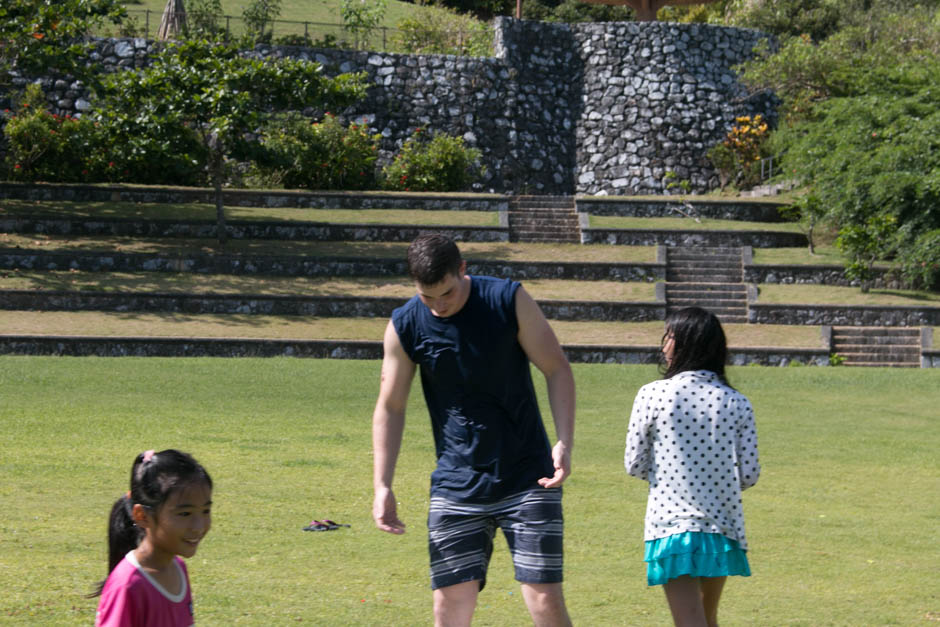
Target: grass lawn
pixel 834 295
pixel 136 324
pixel 842 525
pixel 324 12
pixel 201 211
pixel 502 251
pixel 307 286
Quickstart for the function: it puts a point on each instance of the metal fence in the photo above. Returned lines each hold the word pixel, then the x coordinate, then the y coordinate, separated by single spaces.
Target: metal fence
pixel 145 22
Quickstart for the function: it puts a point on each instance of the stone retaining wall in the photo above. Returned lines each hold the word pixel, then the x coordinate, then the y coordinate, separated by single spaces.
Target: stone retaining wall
pixel 381 307
pixel 811 275
pixel 561 108
pixel 844 315
pixel 710 238
pixel 254 230
pixel 677 207
pixel 344 349
pixel 253 198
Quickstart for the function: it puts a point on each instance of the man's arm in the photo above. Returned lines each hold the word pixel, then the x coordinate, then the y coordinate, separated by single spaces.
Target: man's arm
pixel 388 423
pixel 542 347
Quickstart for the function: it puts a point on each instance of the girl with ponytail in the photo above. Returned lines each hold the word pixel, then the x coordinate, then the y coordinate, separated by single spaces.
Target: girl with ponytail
pixel 165 515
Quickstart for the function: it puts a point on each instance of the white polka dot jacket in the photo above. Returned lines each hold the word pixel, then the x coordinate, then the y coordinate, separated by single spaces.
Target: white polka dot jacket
pixel 693 439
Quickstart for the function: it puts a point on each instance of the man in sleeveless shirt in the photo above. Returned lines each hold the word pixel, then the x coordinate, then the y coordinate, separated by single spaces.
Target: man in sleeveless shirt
pixel 472 338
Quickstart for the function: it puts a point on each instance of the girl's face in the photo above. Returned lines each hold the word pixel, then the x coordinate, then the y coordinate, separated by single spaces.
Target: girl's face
pixel 669 346
pixel 181 522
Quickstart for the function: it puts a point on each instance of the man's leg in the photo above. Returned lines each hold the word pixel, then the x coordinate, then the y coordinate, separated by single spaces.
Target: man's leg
pixel 534 528
pixel 454 605
pixel 684 595
pixel 546 603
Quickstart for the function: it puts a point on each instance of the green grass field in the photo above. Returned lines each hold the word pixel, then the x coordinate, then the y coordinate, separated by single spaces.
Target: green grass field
pixel 322 17
pixel 843 524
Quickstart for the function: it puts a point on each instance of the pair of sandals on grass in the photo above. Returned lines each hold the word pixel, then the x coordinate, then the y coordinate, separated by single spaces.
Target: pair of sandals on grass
pixel 324 525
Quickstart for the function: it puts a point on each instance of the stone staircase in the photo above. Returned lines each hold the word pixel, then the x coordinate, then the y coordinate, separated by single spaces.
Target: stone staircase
pixel 711 278
pixel 544 219
pixel 877 346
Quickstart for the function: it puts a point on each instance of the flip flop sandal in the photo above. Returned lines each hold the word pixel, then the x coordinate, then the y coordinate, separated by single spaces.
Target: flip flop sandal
pixel 324 525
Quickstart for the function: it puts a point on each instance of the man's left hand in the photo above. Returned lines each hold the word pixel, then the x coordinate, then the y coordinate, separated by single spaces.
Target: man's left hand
pixel 561 458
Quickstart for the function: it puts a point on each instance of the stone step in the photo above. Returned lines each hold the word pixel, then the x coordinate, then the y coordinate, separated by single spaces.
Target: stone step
pixel 728 306
pixel 544 228
pixel 876 341
pixel 879 364
pixel 704 264
pixel 681 251
pixel 558 239
pixel 876 332
pixel 697 293
pixel 567 209
pixel 699 269
pixel 703 277
pixel 542 220
pixel 911 352
pixel 735 286
pixel 692 256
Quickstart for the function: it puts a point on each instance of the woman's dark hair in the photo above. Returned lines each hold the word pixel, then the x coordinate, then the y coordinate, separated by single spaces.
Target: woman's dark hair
pixel 154 477
pixel 698 343
pixel 432 257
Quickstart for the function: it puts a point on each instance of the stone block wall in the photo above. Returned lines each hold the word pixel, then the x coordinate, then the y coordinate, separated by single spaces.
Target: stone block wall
pixel 560 109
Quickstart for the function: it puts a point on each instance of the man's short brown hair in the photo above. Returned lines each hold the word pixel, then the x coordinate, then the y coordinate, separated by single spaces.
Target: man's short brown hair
pixel 432 257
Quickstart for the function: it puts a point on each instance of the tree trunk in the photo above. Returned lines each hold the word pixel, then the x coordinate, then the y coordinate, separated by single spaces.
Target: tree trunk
pixel 221 229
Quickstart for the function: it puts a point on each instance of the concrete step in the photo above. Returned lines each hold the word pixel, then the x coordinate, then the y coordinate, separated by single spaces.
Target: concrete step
pixel 728 306
pixel 870 349
pixel 703 277
pixel 879 364
pixel 697 258
pixel 706 293
pixel 871 332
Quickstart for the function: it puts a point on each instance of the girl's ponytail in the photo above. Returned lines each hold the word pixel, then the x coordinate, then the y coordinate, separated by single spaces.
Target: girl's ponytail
pixel 123 536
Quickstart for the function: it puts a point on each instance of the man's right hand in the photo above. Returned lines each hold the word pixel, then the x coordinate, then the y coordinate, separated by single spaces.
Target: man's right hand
pixel 384 512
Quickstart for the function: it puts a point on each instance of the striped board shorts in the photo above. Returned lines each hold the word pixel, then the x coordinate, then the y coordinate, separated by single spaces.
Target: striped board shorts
pixel 460 537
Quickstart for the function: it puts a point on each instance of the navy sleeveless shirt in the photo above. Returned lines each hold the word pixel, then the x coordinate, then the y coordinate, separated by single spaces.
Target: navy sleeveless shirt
pixel 488 432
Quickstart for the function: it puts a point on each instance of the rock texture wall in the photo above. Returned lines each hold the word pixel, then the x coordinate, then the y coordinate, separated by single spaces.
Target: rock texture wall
pixel 560 109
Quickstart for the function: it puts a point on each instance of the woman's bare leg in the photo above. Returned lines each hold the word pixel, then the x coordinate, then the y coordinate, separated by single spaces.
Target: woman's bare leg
pixel 684 595
pixel 711 594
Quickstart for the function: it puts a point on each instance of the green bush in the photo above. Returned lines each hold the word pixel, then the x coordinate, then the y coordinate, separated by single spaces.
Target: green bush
pixel 439 163
pixel 737 158
pixel 148 150
pixel 42 146
pixel 440 30
pixel 322 155
pixel 920 263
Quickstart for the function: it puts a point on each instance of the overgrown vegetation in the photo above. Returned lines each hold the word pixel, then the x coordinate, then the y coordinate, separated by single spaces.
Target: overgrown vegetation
pixel 319 155
pixel 861 124
pixel 38 36
pixel 431 162
pixel 212 94
pixel 440 30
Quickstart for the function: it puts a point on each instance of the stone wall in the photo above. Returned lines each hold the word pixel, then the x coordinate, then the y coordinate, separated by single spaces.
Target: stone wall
pixel 562 109
pixel 844 315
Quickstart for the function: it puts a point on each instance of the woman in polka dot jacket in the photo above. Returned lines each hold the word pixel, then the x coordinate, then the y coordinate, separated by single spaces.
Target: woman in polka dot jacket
pixel 692 437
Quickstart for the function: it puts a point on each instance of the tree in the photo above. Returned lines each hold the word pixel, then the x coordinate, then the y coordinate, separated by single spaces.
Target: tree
pixel 39 36
pixel 258 15
pixel 862 132
pixel 221 96
pixel 361 18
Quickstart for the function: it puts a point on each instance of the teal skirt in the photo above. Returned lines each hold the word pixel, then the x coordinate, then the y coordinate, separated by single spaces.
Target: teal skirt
pixel 695 554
